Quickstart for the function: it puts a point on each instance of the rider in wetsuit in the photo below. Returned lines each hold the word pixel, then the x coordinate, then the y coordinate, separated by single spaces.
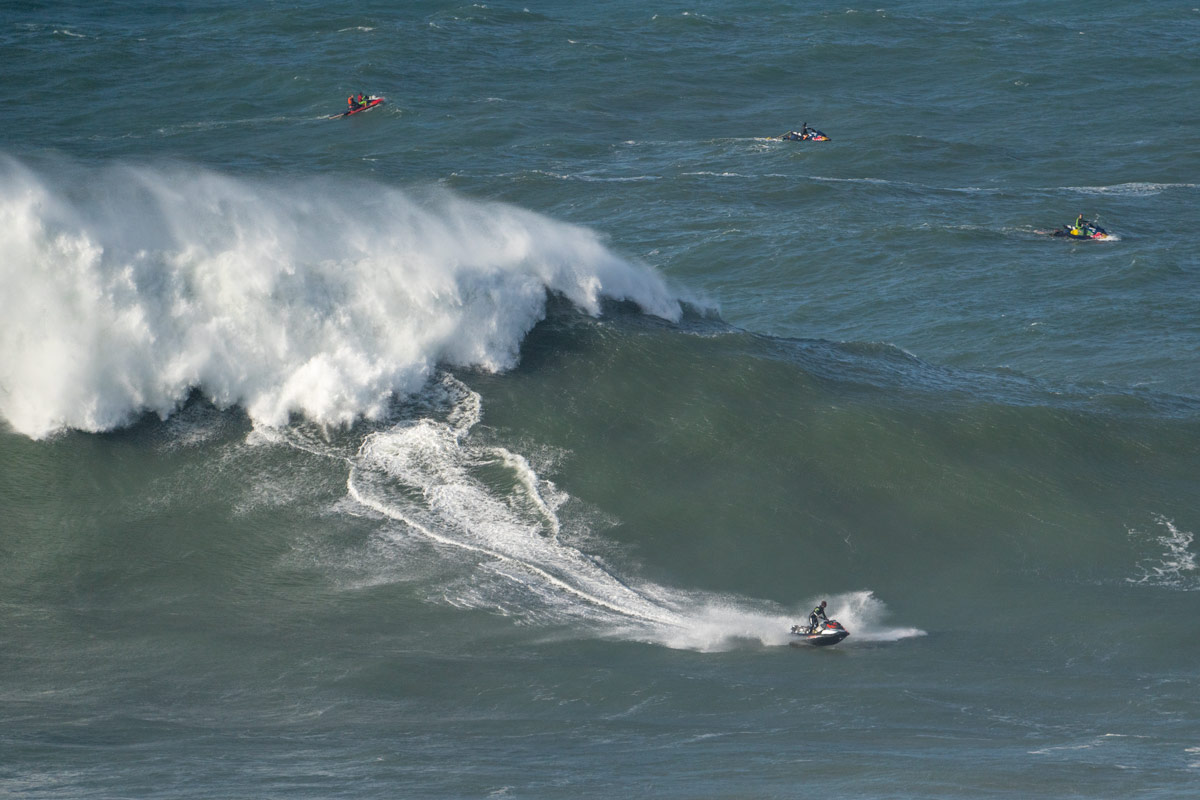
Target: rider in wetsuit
pixel 818 613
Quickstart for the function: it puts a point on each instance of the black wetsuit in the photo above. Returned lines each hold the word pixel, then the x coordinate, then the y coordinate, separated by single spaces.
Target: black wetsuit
pixel 818 613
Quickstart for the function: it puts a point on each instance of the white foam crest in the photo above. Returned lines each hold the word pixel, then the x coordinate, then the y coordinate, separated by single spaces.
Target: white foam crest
pixel 126 288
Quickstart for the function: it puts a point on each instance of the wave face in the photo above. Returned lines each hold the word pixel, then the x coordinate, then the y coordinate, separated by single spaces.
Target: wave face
pixel 129 287
pixel 505 539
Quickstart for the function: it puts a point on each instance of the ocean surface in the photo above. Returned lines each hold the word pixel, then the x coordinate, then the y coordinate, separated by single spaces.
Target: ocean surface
pixel 488 443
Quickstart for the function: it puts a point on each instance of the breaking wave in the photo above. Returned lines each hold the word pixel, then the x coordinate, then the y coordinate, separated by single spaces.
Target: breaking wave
pixel 128 288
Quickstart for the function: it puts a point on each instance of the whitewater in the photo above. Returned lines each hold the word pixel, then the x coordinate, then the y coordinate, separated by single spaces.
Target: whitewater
pixel 131 287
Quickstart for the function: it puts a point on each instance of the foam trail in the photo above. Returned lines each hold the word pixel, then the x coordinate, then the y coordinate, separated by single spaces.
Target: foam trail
pixel 1175 567
pixel 715 623
pixel 126 288
pixel 422 474
pixel 428 474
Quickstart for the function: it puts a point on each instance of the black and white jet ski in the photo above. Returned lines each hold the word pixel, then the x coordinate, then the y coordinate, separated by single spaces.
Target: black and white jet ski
pixel 825 633
pixel 805 134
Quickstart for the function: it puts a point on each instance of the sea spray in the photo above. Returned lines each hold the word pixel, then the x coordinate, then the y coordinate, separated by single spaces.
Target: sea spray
pixel 126 288
pixel 1174 565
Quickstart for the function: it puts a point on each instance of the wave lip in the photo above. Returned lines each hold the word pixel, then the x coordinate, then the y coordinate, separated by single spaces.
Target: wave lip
pixel 127 288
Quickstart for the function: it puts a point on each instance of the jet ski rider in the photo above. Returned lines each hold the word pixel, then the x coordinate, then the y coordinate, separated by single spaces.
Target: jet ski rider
pixel 818 613
pixel 1083 227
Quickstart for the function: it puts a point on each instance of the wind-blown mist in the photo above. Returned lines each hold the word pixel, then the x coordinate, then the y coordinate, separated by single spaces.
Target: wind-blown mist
pixel 127 288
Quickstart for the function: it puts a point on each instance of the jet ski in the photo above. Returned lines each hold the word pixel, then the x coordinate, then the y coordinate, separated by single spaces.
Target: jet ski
pixel 828 632
pixel 805 134
pixel 1085 230
pixel 370 103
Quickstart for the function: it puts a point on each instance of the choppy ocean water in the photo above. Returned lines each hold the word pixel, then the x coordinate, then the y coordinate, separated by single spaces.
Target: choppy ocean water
pixel 488 443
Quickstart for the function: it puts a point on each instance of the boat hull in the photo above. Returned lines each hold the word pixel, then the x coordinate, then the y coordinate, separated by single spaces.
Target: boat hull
pixel 374 101
pixel 828 633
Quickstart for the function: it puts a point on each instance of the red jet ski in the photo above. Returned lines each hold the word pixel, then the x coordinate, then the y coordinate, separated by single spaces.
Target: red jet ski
pixel 367 105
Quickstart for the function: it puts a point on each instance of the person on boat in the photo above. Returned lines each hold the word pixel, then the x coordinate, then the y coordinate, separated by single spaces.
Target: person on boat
pixel 805 131
pixel 350 102
pixel 817 614
pixel 1084 227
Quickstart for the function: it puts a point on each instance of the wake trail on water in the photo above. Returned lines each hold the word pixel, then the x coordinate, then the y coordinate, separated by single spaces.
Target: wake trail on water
pixel 127 288
pixel 486 508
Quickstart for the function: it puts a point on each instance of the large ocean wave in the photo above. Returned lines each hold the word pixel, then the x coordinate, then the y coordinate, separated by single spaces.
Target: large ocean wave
pixel 129 287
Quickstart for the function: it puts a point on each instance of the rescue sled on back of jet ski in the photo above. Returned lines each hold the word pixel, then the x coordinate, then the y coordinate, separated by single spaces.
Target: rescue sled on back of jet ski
pixel 828 632
pixel 805 134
